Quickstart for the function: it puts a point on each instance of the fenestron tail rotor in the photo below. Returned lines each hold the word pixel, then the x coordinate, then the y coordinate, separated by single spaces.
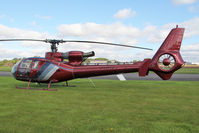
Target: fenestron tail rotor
pixel 166 62
pixel 55 42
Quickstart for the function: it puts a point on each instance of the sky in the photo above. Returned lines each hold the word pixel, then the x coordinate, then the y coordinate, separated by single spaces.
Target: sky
pixel 133 22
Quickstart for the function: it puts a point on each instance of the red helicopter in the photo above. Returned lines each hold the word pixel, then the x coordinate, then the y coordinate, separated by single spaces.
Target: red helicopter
pixel 53 68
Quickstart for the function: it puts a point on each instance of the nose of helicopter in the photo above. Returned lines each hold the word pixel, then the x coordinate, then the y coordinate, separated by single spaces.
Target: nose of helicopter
pixel 14 69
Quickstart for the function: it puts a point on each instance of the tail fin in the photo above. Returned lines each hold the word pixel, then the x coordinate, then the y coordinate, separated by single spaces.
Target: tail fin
pixel 168 59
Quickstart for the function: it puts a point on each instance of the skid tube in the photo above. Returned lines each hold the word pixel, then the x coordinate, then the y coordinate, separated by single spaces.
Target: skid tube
pixel 28 88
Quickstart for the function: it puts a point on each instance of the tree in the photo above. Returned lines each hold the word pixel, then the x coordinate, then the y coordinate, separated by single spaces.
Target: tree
pixel 101 59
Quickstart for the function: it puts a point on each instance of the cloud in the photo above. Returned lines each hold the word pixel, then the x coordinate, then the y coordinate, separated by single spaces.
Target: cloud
pixel 183 2
pixel 190 53
pixel 125 34
pixel 118 32
pixel 158 34
pixel 8 32
pixel 100 32
pixel 124 13
pixel 33 47
pixel 20 53
pixel 191 47
pixel 191 27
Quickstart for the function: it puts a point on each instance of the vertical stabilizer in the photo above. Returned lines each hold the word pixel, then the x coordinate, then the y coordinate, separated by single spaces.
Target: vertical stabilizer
pixel 168 59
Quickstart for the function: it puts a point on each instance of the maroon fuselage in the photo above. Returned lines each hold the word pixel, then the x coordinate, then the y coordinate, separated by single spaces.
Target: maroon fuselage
pixel 98 70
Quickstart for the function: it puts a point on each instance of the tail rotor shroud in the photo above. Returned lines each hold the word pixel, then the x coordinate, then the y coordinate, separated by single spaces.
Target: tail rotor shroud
pixel 166 62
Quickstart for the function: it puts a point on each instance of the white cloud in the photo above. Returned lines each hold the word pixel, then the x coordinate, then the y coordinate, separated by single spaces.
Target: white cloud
pixel 118 32
pixel 181 2
pixel 158 34
pixel 7 32
pixel 191 47
pixel 100 32
pixel 191 27
pixel 125 34
pixel 124 13
pixel 190 53
pixel 20 53
pixel 33 48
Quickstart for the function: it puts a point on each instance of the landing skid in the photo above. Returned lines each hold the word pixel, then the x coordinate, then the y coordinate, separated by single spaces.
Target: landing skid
pixel 36 89
pixel 49 84
pixel 28 88
pixel 61 85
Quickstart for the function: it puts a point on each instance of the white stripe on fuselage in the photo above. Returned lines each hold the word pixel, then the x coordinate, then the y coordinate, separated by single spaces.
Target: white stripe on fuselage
pixel 48 72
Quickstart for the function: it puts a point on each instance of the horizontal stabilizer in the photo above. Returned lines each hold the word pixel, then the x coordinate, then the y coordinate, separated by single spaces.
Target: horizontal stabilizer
pixel 121 77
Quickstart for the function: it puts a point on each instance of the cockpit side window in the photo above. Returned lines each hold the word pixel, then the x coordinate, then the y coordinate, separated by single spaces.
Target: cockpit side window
pixel 26 63
pixel 35 64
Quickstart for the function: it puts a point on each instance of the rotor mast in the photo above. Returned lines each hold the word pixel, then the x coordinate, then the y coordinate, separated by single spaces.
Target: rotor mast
pixel 54 44
pixel 54 47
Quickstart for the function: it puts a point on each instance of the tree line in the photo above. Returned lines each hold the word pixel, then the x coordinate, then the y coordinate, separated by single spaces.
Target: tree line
pixel 11 62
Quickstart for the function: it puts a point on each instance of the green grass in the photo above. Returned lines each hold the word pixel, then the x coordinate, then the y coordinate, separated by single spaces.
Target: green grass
pixel 111 107
pixel 5 69
pixel 188 70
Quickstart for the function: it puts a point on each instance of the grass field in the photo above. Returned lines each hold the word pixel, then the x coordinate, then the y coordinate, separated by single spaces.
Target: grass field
pixel 5 69
pixel 187 70
pixel 111 107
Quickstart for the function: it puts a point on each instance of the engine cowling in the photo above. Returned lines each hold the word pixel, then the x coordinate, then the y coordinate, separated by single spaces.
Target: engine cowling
pixel 74 57
pixel 77 57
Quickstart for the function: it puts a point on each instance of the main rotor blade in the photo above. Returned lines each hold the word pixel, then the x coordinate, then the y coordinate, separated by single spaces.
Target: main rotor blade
pixel 54 42
pixel 105 43
pixel 22 40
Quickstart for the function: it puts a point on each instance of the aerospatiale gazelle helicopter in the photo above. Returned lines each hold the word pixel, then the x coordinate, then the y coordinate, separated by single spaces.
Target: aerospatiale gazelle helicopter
pixel 53 69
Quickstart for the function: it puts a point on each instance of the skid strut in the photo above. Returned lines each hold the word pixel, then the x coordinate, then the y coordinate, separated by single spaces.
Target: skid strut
pixel 28 88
